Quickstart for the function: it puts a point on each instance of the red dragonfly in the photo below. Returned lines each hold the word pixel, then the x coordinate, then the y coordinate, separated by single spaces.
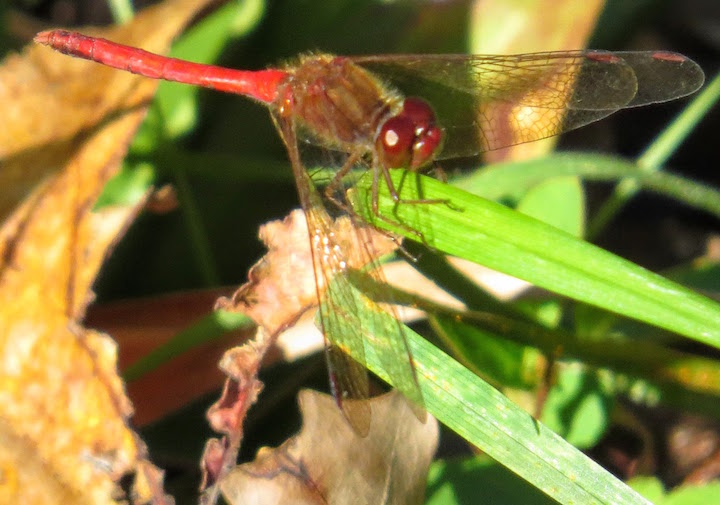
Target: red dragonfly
pixel 479 103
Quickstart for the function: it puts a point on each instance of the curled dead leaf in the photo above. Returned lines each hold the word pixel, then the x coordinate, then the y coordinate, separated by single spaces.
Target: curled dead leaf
pixel 281 286
pixel 281 289
pixel 328 463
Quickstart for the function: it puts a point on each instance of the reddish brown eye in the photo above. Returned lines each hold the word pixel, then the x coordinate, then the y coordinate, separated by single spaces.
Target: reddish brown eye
pixel 395 141
pixel 419 112
pixel 411 139
pixel 425 147
pixel 428 137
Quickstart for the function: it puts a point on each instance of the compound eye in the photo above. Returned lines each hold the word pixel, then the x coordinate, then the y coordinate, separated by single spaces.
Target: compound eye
pixel 419 112
pixel 395 142
pixel 426 147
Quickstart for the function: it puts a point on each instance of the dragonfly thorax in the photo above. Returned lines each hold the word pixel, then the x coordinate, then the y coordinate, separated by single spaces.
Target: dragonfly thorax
pixel 340 103
pixel 344 106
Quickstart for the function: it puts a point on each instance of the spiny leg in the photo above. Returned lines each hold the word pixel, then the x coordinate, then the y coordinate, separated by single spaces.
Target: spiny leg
pixel 336 182
pixel 398 201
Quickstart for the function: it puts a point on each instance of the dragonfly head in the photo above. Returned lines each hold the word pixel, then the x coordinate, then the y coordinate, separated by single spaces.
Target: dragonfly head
pixel 409 139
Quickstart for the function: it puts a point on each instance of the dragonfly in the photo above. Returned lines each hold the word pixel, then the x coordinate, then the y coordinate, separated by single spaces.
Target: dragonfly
pixel 404 111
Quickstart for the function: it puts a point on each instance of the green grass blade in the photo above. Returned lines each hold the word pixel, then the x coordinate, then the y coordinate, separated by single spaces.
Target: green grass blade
pixel 210 327
pixel 513 179
pixel 487 419
pixel 202 43
pixel 121 10
pixel 504 240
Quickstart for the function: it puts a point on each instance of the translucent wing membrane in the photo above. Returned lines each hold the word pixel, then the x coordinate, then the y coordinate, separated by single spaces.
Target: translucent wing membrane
pixel 662 76
pixel 347 316
pixel 490 102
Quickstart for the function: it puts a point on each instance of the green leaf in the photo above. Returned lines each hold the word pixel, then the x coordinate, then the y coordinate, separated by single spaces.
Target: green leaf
pixel 210 327
pixel 650 487
pixel 559 202
pixel 456 482
pixel 483 416
pixel 577 407
pixel 657 154
pixel 497 237
pixel 485 353
pixel 511 180
pixel 653 489
pixel 630 366
pixel 694 495
pixel 128 186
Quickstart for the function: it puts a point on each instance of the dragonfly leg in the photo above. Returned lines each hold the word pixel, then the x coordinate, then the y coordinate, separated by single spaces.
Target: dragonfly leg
pixel 336 182
pixel 396 196
pixel 440 174
pixel 399 201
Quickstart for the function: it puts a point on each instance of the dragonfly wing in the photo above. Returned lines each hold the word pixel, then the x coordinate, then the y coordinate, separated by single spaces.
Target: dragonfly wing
pixel 347 316
pixel 348 377
pixel 662 76
pixel 350 318
pixel 384 327
pixel 488 102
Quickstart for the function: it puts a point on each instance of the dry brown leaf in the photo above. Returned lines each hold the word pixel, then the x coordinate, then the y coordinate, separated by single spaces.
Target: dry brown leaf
pixel 281 289
pixel 64 415
pixel 282 285
pixel 241 365
pixel 328 463
pixel 280 294
pixel 49 99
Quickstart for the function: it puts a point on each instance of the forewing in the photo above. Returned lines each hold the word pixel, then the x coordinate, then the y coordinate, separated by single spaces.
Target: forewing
pixel 489 102
pixel 662 76
pixel 384 327
pixel 347 316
